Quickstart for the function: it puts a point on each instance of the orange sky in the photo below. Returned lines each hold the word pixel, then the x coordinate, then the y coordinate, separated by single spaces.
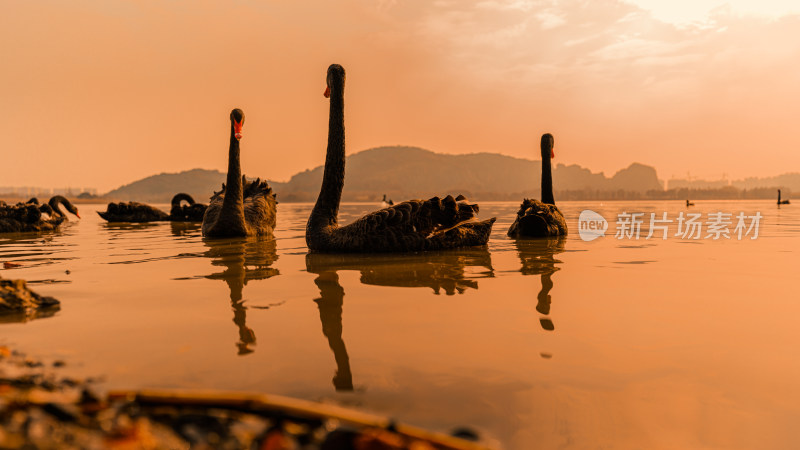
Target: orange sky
pixel 98 93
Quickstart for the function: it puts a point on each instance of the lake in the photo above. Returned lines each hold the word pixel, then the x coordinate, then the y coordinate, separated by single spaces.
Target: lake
pixel 561 343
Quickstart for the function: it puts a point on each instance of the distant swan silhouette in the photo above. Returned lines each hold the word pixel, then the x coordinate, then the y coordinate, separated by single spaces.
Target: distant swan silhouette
pixel 133 212
pixel 540 218
pixel 781 202
pixel 193 212
pixel 386 201
pixel 408 226
pixel 240 208
pixel 688 203
pixel 31 216
pixel 140 212
pixel 57 200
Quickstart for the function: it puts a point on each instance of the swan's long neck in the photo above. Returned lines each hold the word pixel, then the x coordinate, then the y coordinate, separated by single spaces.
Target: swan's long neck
pixel 326 210
pixel 57 200
pixel 176 201
pixel 547 180
pixel 233 203
pixel 779 195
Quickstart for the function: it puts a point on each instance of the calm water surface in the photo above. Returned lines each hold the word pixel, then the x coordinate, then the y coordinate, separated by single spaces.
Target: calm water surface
pixel 542 344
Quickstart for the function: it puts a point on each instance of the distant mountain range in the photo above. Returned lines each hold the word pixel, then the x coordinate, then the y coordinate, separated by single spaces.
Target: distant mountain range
pixel 199 183
pixel 411 172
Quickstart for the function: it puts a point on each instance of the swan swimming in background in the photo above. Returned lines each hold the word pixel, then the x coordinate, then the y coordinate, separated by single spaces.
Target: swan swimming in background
pixel 133 212
pixel 32 216
pixel 408 226
pixel 136 212
pixel 193 212
pixel 57 200
pixel 386 202
pixel 240 208
pixel 688 203
pixel 540 218
pixel 781 202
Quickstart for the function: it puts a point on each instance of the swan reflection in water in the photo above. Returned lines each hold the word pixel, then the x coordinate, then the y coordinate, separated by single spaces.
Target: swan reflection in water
pixel 29 315
pixel 449 271
pixel 244 259
pixel 538 258
pixel 187 229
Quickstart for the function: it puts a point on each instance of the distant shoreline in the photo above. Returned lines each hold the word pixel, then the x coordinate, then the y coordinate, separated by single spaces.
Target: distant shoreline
pixel 104 201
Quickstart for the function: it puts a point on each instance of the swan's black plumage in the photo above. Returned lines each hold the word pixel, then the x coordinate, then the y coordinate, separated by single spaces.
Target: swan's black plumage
pixel 32 216
pixel 240 208
pixel 408 226
pixel 193 212
pixel 57 200
pixel 540 218
pixel 133 212
pixel 781 202
pixel 136 212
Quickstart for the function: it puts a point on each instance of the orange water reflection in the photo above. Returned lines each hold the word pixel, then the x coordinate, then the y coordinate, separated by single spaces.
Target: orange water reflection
pixel 441 271
pixel 538 258
pixel 657 343
pixel 244 259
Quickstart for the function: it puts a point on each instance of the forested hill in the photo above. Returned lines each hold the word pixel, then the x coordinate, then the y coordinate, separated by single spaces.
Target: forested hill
pixel 409 172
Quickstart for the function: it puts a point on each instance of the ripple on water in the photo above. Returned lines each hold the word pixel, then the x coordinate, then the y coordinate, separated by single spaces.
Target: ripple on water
pixel 497 337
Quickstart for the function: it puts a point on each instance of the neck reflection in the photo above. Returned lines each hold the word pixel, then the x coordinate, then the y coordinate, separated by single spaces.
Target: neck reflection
pixel 538 258
pixel 244 259
pixel 452 271
pixel 330 315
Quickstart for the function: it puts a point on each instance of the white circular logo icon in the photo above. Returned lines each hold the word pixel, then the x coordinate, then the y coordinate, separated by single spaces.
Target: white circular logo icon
pixel 591 225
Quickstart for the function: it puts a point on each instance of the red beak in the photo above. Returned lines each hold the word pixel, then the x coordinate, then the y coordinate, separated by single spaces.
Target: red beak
pixel 552 153
pixel 327 93
pixel 77 215
pixel 237 129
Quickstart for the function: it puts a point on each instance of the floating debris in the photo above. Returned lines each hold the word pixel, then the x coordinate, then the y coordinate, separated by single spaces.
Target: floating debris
pixel 39 409
pixel 20 304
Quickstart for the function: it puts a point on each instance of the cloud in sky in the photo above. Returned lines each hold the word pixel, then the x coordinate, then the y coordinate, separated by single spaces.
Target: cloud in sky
pixel 688 12
pixel 98 93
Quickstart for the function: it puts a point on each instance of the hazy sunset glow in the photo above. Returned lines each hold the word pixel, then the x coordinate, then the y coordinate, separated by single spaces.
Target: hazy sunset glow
pixel 99 93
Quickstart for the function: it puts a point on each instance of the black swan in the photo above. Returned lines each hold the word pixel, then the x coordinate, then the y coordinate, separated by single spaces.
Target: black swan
pixel 133 212
pixel 240 208
pixel 193 212
pixel 781 202
pixel 540 218
pixel 57 200
pixel 386 201
pixel 408 226
pixel 140 212
pixel 32 216
pixel 24 217
pixel 688 203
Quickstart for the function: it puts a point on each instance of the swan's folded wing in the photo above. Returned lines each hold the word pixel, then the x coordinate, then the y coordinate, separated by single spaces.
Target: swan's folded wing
pixel 259 205
pixel 538 219
pixel 417 217
pixel 414 225
pixel 257 187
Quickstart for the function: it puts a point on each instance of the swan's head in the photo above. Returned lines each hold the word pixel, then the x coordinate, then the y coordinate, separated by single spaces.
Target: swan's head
pixel 547 146
pixel 73 209
pixel 335 79
pixel 237 120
